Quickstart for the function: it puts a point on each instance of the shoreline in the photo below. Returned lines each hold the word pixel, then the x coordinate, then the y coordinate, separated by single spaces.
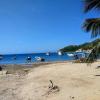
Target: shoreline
pixel 36 63
pixel 44 63
pixel 16 68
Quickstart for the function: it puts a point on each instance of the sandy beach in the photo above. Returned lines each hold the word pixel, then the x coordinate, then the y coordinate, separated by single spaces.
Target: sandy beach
pixel 73 81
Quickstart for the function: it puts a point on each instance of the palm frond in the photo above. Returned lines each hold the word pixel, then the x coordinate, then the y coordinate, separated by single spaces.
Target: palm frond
pixel 95 53
pixel 90 4
pixel 92 25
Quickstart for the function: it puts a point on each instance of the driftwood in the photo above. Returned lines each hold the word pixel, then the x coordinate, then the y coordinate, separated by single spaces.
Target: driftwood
pixel 72 97
pixel 0 68
pixel 97 67
pixel 52 88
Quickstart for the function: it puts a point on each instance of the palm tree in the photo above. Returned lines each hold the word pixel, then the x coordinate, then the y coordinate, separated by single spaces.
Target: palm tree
pixel 92 25
pixel 91 4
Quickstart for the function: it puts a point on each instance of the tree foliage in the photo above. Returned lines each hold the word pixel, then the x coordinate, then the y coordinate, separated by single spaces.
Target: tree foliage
pixel 85 46
pixel 92 25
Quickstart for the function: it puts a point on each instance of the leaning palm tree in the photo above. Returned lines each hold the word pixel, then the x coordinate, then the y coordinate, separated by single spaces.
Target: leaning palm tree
pixel 93 56
pixel 91 4
pixel 92 25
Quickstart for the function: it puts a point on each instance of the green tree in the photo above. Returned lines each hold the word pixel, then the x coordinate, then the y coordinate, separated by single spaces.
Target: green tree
pixel 92 25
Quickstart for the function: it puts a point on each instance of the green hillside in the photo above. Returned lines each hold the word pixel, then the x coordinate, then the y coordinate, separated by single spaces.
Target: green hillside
pixel 85 46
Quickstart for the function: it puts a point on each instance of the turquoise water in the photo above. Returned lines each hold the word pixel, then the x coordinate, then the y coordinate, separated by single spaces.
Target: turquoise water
pixel 21 58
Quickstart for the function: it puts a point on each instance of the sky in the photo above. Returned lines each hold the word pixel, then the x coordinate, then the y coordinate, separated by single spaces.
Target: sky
pixel 28 26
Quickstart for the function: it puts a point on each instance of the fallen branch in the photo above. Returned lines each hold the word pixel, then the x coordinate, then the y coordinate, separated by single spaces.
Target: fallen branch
pixel 53 88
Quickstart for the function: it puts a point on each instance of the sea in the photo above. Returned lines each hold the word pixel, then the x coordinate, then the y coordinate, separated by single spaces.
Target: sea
pixel 21 58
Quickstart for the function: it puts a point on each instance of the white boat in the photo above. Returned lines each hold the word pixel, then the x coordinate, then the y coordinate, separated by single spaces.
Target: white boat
pixel 48 53
pixel 28 58
pixel 60 53
pixel 70 54
pixel 39 59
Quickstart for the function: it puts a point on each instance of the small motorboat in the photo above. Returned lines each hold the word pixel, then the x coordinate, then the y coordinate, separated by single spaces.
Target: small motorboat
pixel 28 58
pixel 60 53
pixel 48 53
pixel 70 55
pixel 40 59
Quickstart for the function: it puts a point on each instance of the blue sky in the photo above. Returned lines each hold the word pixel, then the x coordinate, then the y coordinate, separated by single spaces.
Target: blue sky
pixel 41 25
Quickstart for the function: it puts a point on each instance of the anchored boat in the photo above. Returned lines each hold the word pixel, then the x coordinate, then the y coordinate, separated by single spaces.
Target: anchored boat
pixel 70 54
pixel 60 53
pixel 48 53
pixel 39 59
pixel 28 58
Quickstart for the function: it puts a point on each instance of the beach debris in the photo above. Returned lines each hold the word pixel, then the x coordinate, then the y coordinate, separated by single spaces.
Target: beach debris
pixel 81 60
pixel 52 88
pixel 97 67
pixel 97 75
pixel 7 72
pixel 0 68
pixel 26 71
pixel 72 97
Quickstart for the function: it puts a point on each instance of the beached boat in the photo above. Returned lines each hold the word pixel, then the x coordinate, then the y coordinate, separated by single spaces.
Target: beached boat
pixel 39 59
